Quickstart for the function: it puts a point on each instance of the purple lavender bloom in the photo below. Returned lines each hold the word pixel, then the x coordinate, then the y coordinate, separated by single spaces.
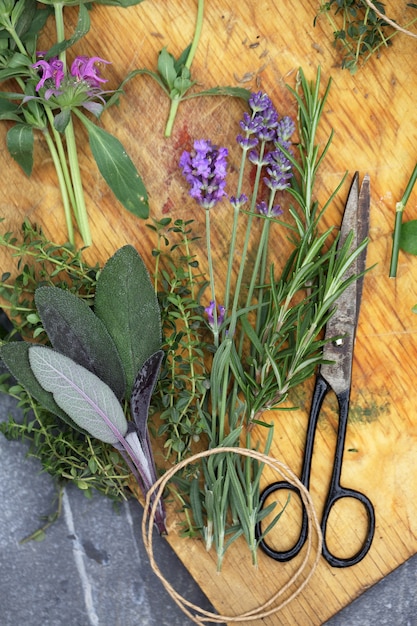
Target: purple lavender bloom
pixel 246 143
pixel 205 169
pixel 251 125
pixel 239 201
pixel 284 130
pixel 52 70
pixel 279 171
pixel 259 101
pixel 84 68
pixel 264 119
pixel 210 313
pixel 274 211
pixel 254 158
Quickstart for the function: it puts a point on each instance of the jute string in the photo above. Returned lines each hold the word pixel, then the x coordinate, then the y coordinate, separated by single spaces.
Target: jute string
pixel 194 612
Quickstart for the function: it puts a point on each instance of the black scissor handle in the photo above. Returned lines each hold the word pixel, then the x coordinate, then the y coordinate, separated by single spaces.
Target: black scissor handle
pixel 282 555
pixel 339 494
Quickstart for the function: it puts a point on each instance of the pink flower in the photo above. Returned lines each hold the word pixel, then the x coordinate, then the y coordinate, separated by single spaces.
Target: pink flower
pixel 52 69
pixel 83 68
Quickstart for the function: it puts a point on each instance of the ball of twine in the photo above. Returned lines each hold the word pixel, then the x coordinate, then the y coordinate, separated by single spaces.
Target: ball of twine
pixel 196 613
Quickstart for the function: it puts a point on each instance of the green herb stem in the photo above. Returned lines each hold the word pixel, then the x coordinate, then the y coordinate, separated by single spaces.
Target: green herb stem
pixel 399 209
pixel 62 184
pixel 197 34
pixel 211 277
pixel 12 32
pixel 62 157
pixel 232 245
pixel 80 208
pixel 175 101
pixel 239 280
pixel 60 29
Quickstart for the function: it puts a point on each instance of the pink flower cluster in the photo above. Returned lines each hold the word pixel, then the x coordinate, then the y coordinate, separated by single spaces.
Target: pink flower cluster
pixel 83 69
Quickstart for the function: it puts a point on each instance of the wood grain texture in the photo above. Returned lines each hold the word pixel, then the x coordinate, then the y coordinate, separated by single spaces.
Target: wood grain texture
pixel 373 114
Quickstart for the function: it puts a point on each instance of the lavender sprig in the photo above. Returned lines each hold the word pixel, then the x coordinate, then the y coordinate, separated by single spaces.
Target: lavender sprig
pixel 205 168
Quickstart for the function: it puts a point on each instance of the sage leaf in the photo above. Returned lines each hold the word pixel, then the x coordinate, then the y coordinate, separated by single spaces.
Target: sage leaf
pixel 408 237
pixel 20 143
pixel 81 394
pixel 117 169
pixel 76 332
pixel 143 388
pixel 126 303
pixel 15 355
pixel 139 403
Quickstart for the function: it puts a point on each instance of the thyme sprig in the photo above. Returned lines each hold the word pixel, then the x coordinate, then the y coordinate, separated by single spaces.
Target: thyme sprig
pixel 63 452
pixel 359 31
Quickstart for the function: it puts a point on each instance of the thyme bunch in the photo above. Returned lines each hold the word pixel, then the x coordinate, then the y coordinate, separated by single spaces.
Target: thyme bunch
pixel 184 380
pixel 359 31
pixel 62 451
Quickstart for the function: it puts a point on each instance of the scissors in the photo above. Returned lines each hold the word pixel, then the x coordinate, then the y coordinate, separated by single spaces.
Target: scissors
pixel 335 375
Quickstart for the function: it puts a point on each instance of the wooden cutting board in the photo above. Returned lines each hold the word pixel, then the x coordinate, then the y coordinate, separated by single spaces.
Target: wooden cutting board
pixel 261 44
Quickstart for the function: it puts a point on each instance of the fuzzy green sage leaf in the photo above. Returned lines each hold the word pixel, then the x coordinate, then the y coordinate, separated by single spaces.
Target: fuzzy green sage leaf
pixel 76 332
pixel 126 302
pixel 15 356
pixel 81 394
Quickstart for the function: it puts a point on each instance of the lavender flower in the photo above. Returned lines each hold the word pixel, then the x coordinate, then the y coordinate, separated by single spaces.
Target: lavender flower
pixel 204 169
pixel 279 170
pixel 285 129
pixel 239 201
pixel 274 211
pixel 264 119
pixel 210 313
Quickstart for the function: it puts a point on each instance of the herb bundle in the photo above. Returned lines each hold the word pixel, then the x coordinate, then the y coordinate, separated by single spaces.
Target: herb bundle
pixel 228 357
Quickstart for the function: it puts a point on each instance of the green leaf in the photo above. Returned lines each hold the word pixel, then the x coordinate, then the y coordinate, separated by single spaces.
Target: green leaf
pixel 61 120
pixel 166 68
pixel 127 304
pixel 118 170
pixel 408 237
pixel 75 331
pixel 142 391
pixel 182 59
pixel 85 398
pixel 20 142
pixel 81 29
pixel 9 110
pixel 15 356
